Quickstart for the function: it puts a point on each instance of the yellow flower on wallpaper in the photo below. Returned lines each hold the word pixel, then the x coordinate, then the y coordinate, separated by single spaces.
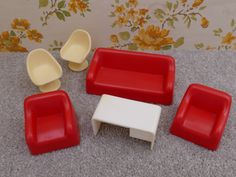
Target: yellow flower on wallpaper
pixel 120 9
pixel 143 12
pixel 204 22
pixel 114 38
pixel 34 35
pixel 82 6
pixel 140 21
pixel 133 2
pixel 121 21
pixel 132 14
pixel 153 38
pixel 183 1
pixel 197 3
pixel 72 6
pixel 21 29
pixel 228 38
pixel 20 24
pixel 128 15
pixel 10 43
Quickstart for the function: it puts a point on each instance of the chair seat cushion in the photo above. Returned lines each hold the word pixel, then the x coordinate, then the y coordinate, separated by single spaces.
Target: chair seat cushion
pixel 130 79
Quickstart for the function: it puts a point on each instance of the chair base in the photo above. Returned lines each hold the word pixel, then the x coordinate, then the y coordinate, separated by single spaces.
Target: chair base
pixel 51 86
pixel 78 66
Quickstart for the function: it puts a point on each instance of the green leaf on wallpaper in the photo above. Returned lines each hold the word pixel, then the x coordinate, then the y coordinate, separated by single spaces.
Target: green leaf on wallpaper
pixel 66 13
pixel 193 18
pixel 170 23
pixel 124 35
pixel 189 23
pixel 202 8
pixel 217 32
pixel 12 33
pixel 61 4
pixel 199 45
pixel 167 47
pixel 179 42
pixel 55 42
pixel 132 47
pixel 43 3
pixel 113 25
pixel 112 14
pixel 232 23
pixel 159 11
pixel 60 16
pixel 175 19
pixel 148 17
pixel 169 5
pixel 133 29
pixel 127 5
pixel 117 1
pixel 176 5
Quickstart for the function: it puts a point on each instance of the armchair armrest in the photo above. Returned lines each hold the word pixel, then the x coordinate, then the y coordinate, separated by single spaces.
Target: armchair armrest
pixel 221 122
pixel 69 116
pixel 29 129
pixel 181 110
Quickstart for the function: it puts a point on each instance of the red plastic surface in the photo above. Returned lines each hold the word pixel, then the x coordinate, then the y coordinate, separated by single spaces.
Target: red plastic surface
pixel 134 75
pixel 202 116
pixel 50 122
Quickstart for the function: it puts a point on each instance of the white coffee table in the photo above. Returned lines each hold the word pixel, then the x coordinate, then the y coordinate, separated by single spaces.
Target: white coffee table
pixel 141 118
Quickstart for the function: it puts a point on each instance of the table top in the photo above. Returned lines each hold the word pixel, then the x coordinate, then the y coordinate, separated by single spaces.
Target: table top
pixel 128 113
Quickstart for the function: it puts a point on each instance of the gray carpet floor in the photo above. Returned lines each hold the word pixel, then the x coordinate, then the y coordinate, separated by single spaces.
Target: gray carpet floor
pixel 112 152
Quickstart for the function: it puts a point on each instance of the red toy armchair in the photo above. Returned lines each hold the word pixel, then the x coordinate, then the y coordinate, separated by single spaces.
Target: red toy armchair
pixel 50 122
pixel 202 116
pixel 134 75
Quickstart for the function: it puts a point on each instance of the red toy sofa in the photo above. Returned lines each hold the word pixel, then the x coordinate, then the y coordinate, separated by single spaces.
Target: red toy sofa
pixel 134 75
pixel 50 122
pixel 202 116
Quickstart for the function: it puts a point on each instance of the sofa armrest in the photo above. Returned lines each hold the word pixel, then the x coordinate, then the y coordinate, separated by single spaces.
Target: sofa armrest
pixel 93 68
pixel 170 77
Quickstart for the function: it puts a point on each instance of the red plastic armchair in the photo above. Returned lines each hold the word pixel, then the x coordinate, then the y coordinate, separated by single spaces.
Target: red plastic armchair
pixel 202 116
pixel 50 122
pixel 134 75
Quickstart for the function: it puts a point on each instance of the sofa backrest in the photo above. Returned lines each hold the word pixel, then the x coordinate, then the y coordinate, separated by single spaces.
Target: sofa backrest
pixel 134 61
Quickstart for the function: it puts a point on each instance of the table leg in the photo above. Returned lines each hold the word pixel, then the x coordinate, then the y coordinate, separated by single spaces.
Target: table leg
pixel 96 126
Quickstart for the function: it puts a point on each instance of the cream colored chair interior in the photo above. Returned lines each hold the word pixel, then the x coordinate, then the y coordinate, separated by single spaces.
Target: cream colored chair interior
pixel 44 70
pixel 76 49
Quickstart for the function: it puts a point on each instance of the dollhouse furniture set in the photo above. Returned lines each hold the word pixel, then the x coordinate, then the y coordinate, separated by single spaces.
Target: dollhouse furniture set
pixel 129 82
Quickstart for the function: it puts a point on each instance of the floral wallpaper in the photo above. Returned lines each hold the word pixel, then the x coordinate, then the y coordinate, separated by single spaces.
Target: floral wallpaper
pixel 62 9
pixel 142 34
pixel 123 24
pixel 20 30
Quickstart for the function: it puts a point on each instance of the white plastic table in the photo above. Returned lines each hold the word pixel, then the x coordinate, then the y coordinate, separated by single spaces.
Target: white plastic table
pixel 141 118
